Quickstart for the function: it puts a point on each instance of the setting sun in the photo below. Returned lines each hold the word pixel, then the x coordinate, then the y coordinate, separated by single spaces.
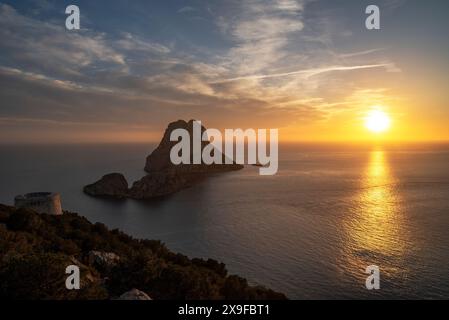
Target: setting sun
pixel 377 121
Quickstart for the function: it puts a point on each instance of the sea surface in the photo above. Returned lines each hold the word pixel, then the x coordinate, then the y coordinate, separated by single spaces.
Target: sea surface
pixel 310 231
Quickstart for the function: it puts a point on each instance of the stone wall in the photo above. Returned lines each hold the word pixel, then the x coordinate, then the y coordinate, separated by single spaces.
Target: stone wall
pixel 41 202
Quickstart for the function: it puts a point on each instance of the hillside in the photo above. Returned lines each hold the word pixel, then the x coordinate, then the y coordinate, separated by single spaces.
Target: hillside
pixel 36 248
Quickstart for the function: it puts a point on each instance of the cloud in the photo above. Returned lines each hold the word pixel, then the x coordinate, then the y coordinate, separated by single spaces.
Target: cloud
pixel 263 72
pixel 308 72
pixel 275 27
pixel 48 48
pixel 392 5
pixel 132 43
pixel 361 53
pixel 186 9
pixel 261 31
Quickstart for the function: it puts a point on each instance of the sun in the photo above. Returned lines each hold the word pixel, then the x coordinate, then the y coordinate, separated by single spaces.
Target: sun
pixel 377 121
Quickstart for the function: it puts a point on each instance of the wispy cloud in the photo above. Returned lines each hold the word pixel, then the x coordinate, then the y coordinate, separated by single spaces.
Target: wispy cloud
pixel 42 46
pixel 307 73
pixel 186 9
pixel 360 53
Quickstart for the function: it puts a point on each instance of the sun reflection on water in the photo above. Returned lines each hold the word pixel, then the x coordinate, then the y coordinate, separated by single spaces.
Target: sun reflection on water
pixel 374 231
pixel 378 225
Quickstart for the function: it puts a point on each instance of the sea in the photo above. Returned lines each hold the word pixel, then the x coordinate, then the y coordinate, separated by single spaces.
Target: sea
pixel 310 231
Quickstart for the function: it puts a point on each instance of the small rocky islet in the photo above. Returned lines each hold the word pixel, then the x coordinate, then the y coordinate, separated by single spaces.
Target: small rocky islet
pixel 163 177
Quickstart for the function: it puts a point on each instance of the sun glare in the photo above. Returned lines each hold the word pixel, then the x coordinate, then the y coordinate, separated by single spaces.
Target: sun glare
pixel 377 121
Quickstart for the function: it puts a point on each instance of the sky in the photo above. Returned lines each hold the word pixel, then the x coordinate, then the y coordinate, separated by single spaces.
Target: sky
pixel 307 67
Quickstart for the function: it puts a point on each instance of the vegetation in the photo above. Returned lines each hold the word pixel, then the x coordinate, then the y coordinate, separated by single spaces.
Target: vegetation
pixel 35 250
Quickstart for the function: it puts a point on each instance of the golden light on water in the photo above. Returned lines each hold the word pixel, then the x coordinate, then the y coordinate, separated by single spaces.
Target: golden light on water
pixel 379 207
pixel 374 230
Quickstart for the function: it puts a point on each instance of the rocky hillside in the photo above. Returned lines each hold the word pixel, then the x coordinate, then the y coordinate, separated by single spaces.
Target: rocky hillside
pixel 36 248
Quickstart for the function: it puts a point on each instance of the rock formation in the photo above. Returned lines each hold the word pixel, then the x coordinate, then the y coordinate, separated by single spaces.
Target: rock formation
pixel 163 176
pixel 102 259
pixel 160 184
pixel 134 294
pixel 159 160
pixel 111 185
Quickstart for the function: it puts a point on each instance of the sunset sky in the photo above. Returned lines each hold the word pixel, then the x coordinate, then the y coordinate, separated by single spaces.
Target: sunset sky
pixel 309 68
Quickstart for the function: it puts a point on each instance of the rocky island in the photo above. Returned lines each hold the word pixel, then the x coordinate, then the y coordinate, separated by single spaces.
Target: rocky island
pixel 163 177
pixel 35 250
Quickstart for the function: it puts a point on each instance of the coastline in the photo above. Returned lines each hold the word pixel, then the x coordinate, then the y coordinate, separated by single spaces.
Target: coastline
pixel 111 263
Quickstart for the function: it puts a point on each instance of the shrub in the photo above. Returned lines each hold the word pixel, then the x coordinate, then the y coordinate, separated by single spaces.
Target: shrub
pixel 24 220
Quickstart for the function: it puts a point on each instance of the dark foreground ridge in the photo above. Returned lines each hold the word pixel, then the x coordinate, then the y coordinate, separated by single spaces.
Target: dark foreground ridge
pixel 163 176
pixel 35 250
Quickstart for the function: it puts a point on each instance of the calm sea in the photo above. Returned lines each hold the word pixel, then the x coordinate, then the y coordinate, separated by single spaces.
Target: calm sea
pixel 309 231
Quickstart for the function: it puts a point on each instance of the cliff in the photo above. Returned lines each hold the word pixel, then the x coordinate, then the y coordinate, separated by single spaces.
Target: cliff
pixel 163 176
pixel 35 250
pixel 159 160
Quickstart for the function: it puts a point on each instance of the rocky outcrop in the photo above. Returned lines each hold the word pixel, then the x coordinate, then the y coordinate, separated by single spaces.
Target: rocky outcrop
pixel 102 259
pixel 111 185
pixel 159 160
pixel 134 294
pixel 160 184
pixel 163 176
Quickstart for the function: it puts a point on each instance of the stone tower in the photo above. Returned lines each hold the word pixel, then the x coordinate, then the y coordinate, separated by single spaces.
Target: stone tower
pixel 41 202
